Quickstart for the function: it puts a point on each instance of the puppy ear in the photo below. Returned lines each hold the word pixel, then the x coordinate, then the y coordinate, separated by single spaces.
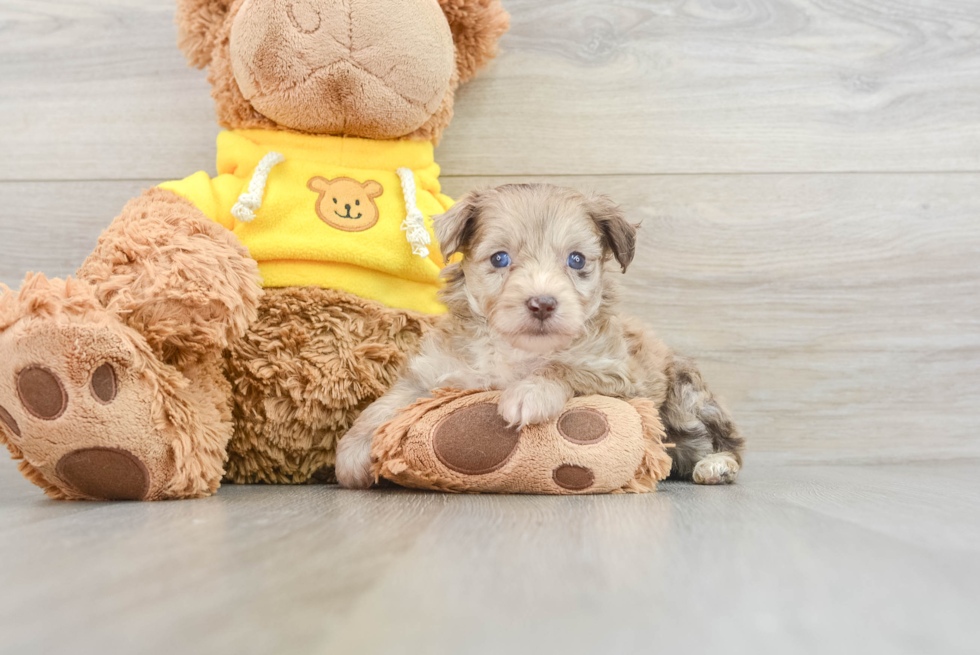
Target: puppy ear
pixel 455 228
pixel 477 25
pixel 618 234
pixel 198 22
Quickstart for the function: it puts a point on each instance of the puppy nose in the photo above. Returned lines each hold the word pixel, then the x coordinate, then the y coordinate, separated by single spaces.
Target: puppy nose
pixel 347 207
pixel 542 307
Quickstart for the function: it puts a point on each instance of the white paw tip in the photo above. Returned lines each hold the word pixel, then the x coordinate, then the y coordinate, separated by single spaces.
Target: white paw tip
pixel 716 469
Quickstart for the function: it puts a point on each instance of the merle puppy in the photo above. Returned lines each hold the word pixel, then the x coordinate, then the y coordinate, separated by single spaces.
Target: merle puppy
pixel 533 312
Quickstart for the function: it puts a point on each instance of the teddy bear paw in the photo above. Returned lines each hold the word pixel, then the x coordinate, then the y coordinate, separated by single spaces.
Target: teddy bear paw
pixel 75 408
pixel 595 445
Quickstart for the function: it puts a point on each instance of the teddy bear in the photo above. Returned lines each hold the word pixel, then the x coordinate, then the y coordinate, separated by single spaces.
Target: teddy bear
pixel 232 327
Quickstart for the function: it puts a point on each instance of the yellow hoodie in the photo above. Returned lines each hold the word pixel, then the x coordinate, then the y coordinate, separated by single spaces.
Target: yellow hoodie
pixel 333 212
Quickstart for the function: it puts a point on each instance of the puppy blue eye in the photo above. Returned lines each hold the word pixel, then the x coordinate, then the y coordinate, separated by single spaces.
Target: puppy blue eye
pixel 500 260
pixel 576 260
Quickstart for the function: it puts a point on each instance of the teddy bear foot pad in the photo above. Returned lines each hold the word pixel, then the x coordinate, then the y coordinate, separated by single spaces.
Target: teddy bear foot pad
pixel 476 440
pixel 78 414
pixel 457 441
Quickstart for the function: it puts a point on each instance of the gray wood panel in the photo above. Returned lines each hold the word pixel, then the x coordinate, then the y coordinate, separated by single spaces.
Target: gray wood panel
pixel 51 227
pixel 792 559
pixel 837 314
pixel 95 89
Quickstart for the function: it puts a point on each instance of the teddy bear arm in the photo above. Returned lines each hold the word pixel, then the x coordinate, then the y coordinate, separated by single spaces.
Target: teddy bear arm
pixel 181 280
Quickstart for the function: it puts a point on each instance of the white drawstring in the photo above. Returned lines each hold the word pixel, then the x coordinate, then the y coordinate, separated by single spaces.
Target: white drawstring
pixel 414 223
pixel 249 203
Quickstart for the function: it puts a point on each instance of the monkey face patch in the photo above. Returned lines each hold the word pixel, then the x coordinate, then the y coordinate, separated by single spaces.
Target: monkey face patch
pixel 346 204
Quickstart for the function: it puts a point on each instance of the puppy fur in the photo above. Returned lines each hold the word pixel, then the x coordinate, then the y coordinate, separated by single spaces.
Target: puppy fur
pixel 497 336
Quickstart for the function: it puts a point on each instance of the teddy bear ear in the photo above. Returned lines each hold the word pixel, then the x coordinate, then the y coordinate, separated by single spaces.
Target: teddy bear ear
pixel 318 184
pixel 374 189
pixel 477 26
pixel 198 23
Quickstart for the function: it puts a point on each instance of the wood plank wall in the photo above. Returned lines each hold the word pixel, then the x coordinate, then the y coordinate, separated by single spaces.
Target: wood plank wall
pixel 807 173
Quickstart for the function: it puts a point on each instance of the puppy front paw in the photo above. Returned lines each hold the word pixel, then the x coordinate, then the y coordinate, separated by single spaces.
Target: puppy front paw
pixel 354 459
pixel 532 401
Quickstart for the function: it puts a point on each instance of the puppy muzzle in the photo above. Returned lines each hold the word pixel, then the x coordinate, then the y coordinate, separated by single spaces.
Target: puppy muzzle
pixel 542 307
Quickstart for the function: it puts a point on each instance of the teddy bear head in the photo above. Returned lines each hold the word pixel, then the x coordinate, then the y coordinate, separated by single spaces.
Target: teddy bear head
pixel 378 69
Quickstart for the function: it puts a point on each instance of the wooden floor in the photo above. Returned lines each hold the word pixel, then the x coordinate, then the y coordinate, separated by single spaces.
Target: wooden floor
pixel 793 559
pixel 808 177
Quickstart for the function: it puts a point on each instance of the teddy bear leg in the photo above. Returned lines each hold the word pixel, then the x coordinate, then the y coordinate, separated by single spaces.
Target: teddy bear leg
pixel 89 409
pixel 112 385
pixel 310 363
pixel 182 281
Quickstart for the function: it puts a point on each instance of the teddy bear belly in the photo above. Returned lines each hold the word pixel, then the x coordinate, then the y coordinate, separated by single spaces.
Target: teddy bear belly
pixel 312 360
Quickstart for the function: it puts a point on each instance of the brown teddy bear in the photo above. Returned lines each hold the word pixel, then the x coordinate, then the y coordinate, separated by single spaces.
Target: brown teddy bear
pixel 233 327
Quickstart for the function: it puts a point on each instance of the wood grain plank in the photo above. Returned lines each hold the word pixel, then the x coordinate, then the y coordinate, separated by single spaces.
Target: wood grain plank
pixel 687 567
pixel 95 89
pixel 797 559
pixel 710 86
pixel 51 227
pixel 837 314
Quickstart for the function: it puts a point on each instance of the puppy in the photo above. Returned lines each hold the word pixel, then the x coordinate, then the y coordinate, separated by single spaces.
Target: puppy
pixel 533 312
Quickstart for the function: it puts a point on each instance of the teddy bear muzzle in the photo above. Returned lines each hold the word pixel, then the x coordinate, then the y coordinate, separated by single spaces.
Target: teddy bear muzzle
pixel 325 67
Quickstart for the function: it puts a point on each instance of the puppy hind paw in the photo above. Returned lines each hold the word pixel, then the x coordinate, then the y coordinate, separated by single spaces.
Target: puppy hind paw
pixel 717 468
